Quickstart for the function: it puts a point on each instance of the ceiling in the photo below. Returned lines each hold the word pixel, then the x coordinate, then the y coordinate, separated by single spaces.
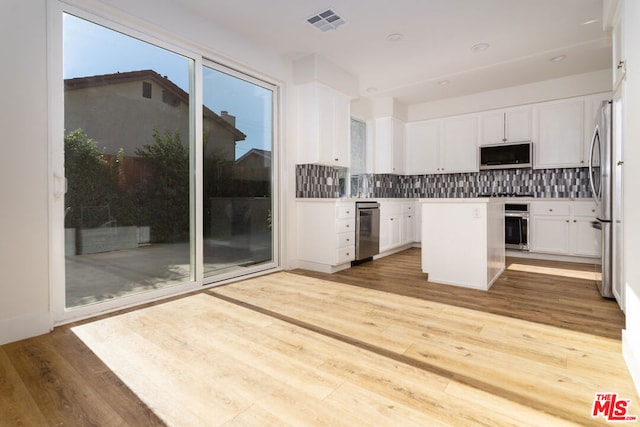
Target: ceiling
pixel 436 43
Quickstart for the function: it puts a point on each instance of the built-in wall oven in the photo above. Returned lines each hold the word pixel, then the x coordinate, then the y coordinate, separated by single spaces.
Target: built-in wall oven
pixel 516 226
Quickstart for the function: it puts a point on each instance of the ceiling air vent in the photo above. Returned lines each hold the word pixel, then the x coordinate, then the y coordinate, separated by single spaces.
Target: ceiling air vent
pixel 326 20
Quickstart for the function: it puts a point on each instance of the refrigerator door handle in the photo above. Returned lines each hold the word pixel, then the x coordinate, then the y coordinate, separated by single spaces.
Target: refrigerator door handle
pixel 596 134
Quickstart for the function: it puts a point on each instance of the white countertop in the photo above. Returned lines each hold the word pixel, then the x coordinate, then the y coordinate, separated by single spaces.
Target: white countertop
pixel 462 200
pixel 447 199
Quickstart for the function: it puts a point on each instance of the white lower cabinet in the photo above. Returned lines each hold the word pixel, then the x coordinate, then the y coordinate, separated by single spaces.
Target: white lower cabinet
pixel 409 224
pixel 326 234
pixel 397 224
pixel 564 228
pixel 585 240
pixel 390 225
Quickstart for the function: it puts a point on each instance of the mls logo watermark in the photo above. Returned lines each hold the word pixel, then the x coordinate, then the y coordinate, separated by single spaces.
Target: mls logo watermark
pixel 611 407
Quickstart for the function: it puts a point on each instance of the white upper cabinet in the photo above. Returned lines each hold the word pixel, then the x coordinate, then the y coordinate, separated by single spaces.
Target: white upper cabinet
pixel 389 146
pixel 507 125
pixel 448 145
pixel 323 125
pixel 619 56
pixel 422 147
pixel 459 144
pixel 559 137
pixel 563 131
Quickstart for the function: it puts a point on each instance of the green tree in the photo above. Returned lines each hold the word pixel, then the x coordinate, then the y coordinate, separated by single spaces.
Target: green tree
pixel 92 183
pixel 167 207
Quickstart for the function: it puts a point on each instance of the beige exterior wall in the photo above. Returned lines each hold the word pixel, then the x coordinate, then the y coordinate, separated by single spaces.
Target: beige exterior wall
pixel 120 117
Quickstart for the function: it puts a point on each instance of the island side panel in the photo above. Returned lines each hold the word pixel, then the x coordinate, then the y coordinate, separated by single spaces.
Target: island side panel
pixel 454 243
pixel 495 237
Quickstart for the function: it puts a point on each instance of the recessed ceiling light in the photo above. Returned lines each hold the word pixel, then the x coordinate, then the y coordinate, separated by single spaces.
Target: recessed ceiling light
pixel 591 21
pixel 395 37
pixel 480 47
pixel 443 82
pixel 558 58
pixel 326 20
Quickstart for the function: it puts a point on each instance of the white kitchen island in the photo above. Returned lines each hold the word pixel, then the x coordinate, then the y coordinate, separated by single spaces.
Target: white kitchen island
pixel 463 241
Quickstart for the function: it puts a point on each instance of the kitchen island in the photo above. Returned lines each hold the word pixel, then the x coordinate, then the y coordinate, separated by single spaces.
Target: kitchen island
pixel 463 241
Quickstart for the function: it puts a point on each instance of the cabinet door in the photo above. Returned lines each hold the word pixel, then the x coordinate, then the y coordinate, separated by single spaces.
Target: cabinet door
pixel 383 146
pixel 395 231
pixel 492 127
pixel 617 38
pixel 387 224
pixel 422 147
pixel 458 145
pixel 308 119
pixel 323 125
pixel 549 234
pixel 389 146
pixel 342 130
pixel 517 125
pixel 398 146
pixel 326 125
pixel 408 228
pixel 585 240
pixel 560 134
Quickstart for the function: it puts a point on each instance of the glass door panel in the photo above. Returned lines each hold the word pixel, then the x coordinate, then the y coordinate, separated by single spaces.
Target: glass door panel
pixel 127 154
pixel 238 207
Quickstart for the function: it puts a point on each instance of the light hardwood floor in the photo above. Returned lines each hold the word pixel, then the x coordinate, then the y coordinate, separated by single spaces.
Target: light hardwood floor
pixel 554 293
pixel 374 345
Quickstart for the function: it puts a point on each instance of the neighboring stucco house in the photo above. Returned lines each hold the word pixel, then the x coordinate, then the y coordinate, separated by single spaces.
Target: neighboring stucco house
pixel 132 104
pixel 254 165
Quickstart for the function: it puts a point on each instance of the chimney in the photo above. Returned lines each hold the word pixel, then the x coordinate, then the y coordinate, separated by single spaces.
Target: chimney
pixel 228 118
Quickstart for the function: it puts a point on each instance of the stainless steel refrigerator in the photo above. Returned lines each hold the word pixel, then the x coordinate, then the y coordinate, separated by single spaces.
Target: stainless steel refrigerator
pixel 605 177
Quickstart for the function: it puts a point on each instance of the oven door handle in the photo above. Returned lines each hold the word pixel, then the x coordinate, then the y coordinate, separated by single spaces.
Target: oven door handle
pixel 517 214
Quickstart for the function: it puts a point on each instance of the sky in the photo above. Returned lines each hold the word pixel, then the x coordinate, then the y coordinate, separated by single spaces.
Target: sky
pixel 90 50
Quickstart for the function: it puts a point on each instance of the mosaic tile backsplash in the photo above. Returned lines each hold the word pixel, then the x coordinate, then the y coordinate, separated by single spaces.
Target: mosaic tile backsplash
pixel 317 181
pixel 314 181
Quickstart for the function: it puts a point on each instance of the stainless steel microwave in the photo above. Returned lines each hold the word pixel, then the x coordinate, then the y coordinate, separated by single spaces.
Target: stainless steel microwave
pixel 506 156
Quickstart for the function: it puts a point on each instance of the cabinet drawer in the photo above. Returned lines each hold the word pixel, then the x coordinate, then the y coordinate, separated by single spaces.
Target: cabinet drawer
pixel 345 211
pixel 583 209
pixel 345 254
pixel 345 225
pixel 550 208
pixel 345 239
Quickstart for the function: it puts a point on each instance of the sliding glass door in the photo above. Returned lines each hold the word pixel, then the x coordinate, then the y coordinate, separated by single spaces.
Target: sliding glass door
pixel 127 151
pixel 158 195
pixel 238 173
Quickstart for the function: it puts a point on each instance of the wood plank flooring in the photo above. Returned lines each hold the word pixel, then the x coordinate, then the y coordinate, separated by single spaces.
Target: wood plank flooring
pixel 557 293
pixel 387 348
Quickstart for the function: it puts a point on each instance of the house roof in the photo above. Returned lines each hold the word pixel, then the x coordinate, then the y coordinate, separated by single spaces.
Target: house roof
pixel 149 75
pixel 265 154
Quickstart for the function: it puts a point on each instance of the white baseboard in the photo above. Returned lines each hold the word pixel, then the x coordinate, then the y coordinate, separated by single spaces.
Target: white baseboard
pixel 631 354
pixel 322 268
pixel 549 257
pixel 394 250
pixel 22 327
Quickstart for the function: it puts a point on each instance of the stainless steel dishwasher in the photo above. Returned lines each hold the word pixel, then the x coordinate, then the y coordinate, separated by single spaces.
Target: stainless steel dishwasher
pixel 367 230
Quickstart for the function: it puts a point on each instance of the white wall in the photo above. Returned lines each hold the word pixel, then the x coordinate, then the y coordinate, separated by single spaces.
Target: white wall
pixel 24 286
pixel 631 153
pixel 25 193
pixel 565 87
